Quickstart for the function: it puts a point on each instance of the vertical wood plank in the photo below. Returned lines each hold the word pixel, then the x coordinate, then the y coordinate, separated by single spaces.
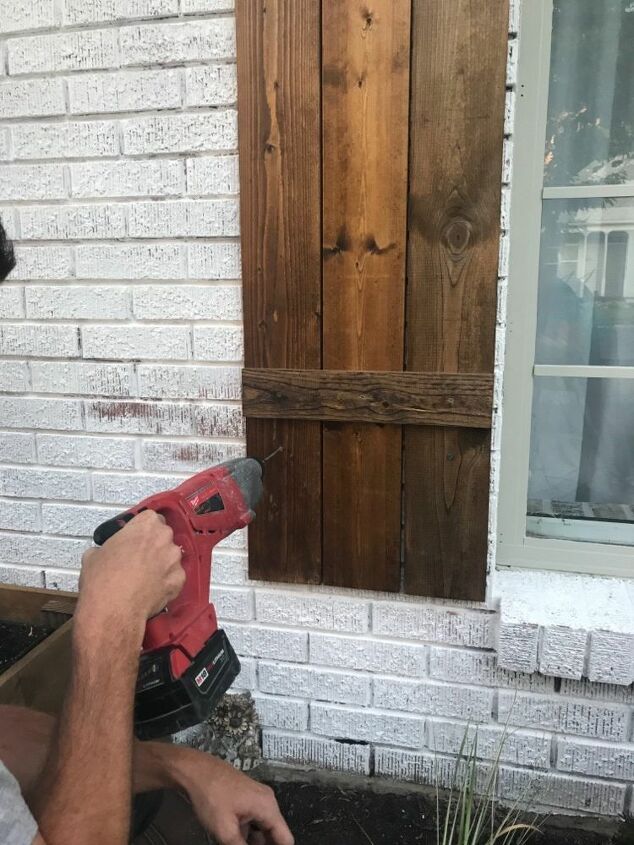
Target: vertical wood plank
pixel 279 117
pixel 456 136
pixel 365 71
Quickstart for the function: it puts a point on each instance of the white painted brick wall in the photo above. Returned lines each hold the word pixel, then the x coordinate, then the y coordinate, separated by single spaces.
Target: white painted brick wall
pixel 121 341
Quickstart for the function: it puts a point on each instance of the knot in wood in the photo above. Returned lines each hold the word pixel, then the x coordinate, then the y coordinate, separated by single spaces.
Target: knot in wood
pixel 457 235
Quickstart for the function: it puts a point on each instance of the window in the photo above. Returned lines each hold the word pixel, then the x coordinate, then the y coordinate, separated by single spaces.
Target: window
pixel 567 490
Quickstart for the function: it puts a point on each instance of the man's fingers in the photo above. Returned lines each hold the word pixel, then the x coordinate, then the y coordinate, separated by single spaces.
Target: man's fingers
pixel 256 837
pixel 271 822
pixel 229 834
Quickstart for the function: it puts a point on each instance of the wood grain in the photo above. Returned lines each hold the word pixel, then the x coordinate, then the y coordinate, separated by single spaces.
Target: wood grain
pixel 279 107
pixel 456 136
pixel 365 72
pixel 373 397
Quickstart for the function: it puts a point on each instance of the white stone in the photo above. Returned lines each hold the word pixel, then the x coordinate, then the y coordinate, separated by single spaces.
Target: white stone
pixel 189 382
pixel 77 302
pixel 44 483
pixel 180 133
pixel 187 302
pixel 35 412
pixel 32 98
pixel 587 757
pixel 17 447
pixel 268 643
pixel 218 343
pixel 79 50
pixel 74 520
pixel 11 302
pixel 214 261
pixel 160 177
pixel 17 15
pixel 43 262
pixel 287 714
pixel 184 219
pixel 471 704
pixel 295 749
pixel 394 658
pixel 29 549
pixel 72 222
pixel 32 182
pixel 76 139
pixel 23 576
pixel 16 515
pixel 84 378
pixel 130 261
pixel 317 684
pixel 134 417
pixel 97 11
pixel 340 722
pixel 611 658
pixel 159 43
pixel 128 488
pixel 136 341
pixel 491 742
pixel 89 451
pixel 125 91
pixel 476 667
pixel 213 175
pixel 14 377
pixel 323 612
pixel 45 341
pixel 58 579
pixel 562 791
pixel 187 456
pixel 235 605
pixel 434 623
pixel 211 85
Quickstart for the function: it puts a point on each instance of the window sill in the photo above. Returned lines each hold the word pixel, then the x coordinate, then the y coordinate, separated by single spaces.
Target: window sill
pixel 565 625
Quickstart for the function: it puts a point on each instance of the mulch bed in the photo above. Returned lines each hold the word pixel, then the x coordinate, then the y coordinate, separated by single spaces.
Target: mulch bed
pixel 17 639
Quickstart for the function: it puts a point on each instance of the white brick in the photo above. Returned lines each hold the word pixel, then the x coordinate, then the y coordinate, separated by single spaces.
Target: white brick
pixel 514 15
pixel 23 576
pixel 136 341
pixel 138 417
pixel 366 725
pixel 44 483
pixel 75 520
pixel 507 161
pixel 32 98
pixel 16 15
pixel 74 222
pixel 125 91
pixel 237 540
pixel 9 222
pixel 490 742
pixel 434 623
pixel 586 689
pixel 136 261
pixel 28 412
pixel 189 382
pixel 17 447
pixel 187 302
pixel 45 341
pixel 517 646
pixel 104 302
pixel 218 343
pixel 611 658
pixel 14 377
pixel 395 658
pixel 509 112
pixel 288 714
pixel 27 549
pixel 32 182
pixel 81 377
pixel 467 703
pixel 314 751
pixel 184 219
pixel 218 420
pixel 127 488
pixel 180 133
pixel 234 605
pixel 562 651
pixel 227 568
pixel 189 7
pixel 605 760
pixel 19 516
pixel 564 715
pixel 89 451
pixel 58 579
pixel 78 11
pixel 214 261
pixel 81 50
pixel 424 768
pixel 247 679
pixel 473 667
pixel 212 85
pixel 160 177
pixel 561 791
pixel 43 262
pixel 187 455
pixel 326 613
pixel 78 139
pixel 511 65
pixel 271 643
pixel 318 684
pixel 213 175
pixel 192 41
pixel 11 302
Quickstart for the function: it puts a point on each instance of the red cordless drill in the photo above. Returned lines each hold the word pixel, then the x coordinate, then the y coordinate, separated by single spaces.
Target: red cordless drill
pixel 187 662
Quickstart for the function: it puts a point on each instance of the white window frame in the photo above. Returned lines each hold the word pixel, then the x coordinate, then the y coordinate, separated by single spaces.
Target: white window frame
pixel 514 548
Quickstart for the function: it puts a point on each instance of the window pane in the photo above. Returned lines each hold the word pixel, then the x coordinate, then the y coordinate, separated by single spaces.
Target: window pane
pixel 591 102
pixel 586 283
pixel 581 479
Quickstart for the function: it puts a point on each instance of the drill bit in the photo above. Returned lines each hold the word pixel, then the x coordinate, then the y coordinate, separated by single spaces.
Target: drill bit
pixel 273 454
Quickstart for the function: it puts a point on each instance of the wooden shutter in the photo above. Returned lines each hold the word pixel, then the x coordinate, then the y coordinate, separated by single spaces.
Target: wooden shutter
pixel 370 168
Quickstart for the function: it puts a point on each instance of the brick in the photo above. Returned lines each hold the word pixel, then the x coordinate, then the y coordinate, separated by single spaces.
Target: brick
pixel 180 133
pixel 611 658
pixel 75 520
pixel 136 261
pixel 69 302
pixel 11 302
pixel 593 691
pixel 233 605
pixel 29 549
pixel 326 613
pixel 509 112
pixel 517 646
pixel 81 50
pixel 214 261
pixel 366 725
pixel 507 161
pixel 314 751
pixel 434 623
pixel 127 488
pixel 423 768
pixel 562 651
pixel 43 262
pixel 32 98
pixel 23 576
pixel 189 7
pixel 138 417
pixel 473 667
pixel 218 343
pixel 287 714
pixel 228 568
pixel 74 222
pixel 17 447
pixel 19 516
pixel 218 420
pixel 490 742
pixel 237 540
pixel 247 678
pixel 125 91
pixel 211 85
pixel 564 715
pixel 89 451
pixel 184 219
pixel 4 144
pixel 187 455
pixel 58 579
pixel 31 412
pixel 97 11
pixel 395 658
pixel 317 684
pixel 191 41
pixel 160 177
pixel 511 64
pixel 76 139
pixel 84 378
pixel 268 643
pixel 136 341
pixel 32 182
pixel 187 302
pixel 213 175
pixel 514 16
pixel 44 483
pixel 14 377
pixel 17 15
pixel 467 703
pixel 9 222
pixel 44 341
pixel 561 791
pixel 189 382
pixel 605 760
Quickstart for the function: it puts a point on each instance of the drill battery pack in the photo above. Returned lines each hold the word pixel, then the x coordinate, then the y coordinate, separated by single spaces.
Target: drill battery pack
pixel 165 705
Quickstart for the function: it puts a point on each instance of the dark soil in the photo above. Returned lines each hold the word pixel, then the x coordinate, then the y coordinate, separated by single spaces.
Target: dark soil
pixel 17 639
